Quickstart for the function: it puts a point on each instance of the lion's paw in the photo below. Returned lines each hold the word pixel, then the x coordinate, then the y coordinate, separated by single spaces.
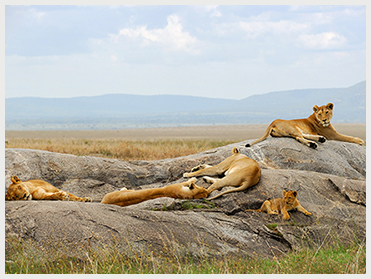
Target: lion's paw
pixel 64 196
pixel 312 145
pixel 192 180
pixel 209 179
pixel 87 199
pixel 200 167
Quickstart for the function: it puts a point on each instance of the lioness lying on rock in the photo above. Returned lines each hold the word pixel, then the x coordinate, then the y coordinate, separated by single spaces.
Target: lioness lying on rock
pixel 287 203
pixel 315 128
pixel 38 190
pixel 184 190
pixel 239 170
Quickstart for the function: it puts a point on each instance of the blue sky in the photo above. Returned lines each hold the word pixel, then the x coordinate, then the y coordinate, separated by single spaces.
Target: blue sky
pixel 211 51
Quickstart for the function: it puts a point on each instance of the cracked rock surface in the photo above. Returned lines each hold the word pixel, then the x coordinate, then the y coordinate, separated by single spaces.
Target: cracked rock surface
pixel 330 181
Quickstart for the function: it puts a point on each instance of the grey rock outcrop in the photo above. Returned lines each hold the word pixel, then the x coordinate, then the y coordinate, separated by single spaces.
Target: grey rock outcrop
pixel 331 184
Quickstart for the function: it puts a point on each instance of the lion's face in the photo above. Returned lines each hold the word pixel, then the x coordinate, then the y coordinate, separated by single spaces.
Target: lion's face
pixel 17 191
pixel 289 197
pixel 323 114
pixel 198 192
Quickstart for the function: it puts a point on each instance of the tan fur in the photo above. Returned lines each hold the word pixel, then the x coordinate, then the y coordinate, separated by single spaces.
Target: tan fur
pixel 287 203
pixel 316 127
pixel 38 190
pixel 185 190
pixel 239 170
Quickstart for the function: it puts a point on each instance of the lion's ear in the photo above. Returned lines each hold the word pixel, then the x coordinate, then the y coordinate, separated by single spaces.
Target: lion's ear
pixel 191 186
pixel 330 106
pixel 15 179
pixel 283 192
pixel 235 150
pixel 315 108
pixel 295 193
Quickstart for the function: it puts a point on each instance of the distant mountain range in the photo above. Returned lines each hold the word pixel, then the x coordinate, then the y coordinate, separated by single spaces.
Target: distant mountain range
pixel 120 111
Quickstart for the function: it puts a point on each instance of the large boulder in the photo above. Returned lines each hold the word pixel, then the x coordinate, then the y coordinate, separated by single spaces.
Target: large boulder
pixel 330 181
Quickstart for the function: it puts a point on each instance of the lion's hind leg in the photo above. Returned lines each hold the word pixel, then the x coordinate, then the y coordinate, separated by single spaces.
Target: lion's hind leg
pixel 75 198
pixel 282 130
pixel 266 207
pixel 41 194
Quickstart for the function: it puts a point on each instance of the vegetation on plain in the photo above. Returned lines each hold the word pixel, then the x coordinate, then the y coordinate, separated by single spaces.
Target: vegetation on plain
pixel 128 150
pixel 28 257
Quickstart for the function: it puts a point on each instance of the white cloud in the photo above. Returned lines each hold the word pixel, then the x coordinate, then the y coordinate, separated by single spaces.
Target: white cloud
pixel 213 10
pixel 325 40
pixel 257 28
pixel 172 37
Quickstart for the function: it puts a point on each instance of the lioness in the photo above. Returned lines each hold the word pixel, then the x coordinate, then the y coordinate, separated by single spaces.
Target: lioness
pixel 184 190
pixel 287 203
pixel 239 170
pixel 316 127
pixel 38 190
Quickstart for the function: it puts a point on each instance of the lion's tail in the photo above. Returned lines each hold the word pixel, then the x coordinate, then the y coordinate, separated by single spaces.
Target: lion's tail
pixel 241 188
pixel 266 134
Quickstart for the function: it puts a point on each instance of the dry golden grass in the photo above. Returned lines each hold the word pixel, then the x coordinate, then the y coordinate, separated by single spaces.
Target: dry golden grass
pixel 119 149
pixel 146 144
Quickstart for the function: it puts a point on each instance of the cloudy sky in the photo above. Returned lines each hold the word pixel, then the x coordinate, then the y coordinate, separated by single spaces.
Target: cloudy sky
pixel 212 51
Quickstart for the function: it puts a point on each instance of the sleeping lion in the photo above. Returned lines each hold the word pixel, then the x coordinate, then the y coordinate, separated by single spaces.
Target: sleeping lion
pixel 38 190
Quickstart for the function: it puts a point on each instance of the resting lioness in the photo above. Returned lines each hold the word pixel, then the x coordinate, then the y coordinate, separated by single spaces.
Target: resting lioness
pixel 287 203
pixel 316 127
pixel 184 190
pixel 38 190
pixel 239 170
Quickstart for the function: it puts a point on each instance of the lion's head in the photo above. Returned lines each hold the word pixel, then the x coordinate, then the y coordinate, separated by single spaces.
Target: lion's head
pixel 17 191
pixel 197 191
pixel 323 114
pixel 289 197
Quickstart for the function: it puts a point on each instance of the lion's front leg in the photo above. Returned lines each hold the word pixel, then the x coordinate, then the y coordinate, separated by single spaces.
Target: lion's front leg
pixel 285 214
pixel 345 138
pixel 202 170
pixel 303 210
pixel 317 138
pixel 200 167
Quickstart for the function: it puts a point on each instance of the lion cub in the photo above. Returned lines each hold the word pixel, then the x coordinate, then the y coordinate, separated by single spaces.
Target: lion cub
pixel 287 203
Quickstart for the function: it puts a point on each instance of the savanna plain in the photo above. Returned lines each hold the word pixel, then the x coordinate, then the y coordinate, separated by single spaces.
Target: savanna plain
pixel 156 144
